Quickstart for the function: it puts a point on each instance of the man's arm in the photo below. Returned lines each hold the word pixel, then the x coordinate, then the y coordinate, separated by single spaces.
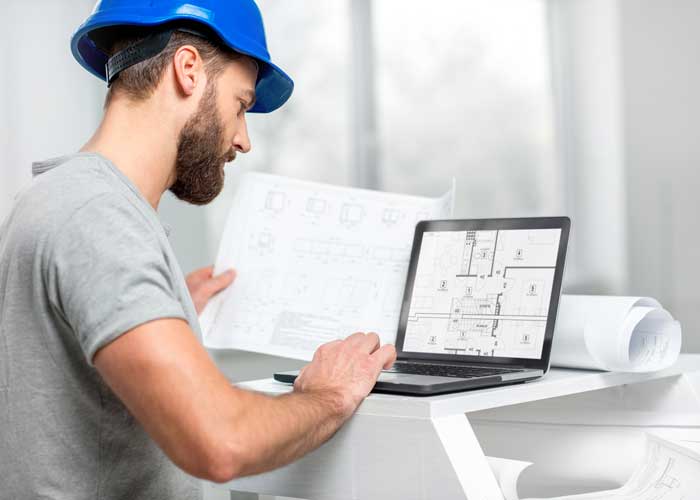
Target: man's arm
pixel 215 431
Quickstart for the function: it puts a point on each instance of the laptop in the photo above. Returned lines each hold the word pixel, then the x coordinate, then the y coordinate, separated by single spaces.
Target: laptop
pixel 479 305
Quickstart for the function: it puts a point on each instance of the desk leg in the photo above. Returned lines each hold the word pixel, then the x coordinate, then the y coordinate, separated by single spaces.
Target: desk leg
pixel 466 457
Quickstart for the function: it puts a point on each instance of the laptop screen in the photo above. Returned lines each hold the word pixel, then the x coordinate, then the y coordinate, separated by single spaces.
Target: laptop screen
pixel 482 292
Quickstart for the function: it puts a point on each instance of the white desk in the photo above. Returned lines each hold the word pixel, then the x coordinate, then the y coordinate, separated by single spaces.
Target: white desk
pixel 404 448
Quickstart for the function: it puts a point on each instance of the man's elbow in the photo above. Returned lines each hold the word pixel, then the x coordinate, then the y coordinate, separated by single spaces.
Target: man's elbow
pixel 223 464
pixel 222 472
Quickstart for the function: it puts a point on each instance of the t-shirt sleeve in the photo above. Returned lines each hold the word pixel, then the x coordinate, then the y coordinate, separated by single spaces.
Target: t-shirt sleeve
pixel 106 272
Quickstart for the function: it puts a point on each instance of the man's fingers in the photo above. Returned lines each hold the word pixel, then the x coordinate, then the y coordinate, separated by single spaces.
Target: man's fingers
pixel 200 275
pixel 373 342
pixel 203 272
pixel 218 283
pixel 368 342
pixel 225 279
pixel 355 338
pixel 325 347
pixel 385 356
pixel 297 381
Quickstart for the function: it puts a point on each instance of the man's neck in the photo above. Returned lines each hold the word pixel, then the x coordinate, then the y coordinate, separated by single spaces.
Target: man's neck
pixel 141 140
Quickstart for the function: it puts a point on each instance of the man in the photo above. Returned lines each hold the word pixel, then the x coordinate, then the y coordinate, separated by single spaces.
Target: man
pixel 105 388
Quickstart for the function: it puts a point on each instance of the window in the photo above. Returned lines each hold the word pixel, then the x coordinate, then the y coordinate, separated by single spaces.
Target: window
pixel 463 90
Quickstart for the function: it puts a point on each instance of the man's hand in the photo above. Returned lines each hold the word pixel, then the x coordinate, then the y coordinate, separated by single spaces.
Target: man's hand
pixel 343 372
pixel 203 285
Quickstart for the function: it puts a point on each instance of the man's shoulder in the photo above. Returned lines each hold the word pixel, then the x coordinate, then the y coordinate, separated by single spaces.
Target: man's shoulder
pixel 65 184
pixel 79 190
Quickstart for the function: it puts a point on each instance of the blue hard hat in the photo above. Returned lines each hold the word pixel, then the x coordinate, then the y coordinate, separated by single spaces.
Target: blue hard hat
pixel 236 23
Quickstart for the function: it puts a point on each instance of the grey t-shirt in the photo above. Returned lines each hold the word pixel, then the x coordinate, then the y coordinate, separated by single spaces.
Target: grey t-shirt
pixel 83 259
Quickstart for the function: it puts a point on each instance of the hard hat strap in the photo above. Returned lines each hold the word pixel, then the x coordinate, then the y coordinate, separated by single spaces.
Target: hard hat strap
pixel 150 46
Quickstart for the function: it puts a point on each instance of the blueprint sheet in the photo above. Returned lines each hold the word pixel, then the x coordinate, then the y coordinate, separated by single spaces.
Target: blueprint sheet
pixel 669 470
pixel 315 263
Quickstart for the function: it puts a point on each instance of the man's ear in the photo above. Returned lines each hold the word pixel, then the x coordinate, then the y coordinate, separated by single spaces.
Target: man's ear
pixel 188 68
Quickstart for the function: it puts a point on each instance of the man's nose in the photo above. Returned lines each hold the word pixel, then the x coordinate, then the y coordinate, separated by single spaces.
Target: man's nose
pixel 241 141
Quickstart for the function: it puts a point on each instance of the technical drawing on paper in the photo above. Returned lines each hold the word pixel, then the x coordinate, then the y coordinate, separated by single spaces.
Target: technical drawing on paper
pixel 668 471
pixel 314 263
pixel 482 293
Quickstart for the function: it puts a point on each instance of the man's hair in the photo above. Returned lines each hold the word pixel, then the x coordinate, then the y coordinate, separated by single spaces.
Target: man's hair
pixel 138 82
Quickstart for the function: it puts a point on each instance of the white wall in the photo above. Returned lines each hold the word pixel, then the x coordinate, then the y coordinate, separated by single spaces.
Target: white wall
pixel 661 67
pixel 588 85
pixel 49 106
pixel 627 75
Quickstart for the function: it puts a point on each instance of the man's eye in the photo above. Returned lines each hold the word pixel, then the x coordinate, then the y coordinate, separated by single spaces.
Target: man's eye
pixel 243 107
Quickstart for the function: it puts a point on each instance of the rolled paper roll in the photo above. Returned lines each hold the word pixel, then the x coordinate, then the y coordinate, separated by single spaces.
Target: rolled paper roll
pixel 630 334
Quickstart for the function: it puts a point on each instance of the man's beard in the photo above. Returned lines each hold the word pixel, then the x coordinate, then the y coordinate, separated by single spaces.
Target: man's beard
pixel 199 166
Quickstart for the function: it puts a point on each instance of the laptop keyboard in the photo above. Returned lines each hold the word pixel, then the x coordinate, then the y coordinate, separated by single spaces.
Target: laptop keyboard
pixel 449 370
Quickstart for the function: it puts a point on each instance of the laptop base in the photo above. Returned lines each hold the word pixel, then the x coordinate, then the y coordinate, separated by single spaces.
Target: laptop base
pixel 428 385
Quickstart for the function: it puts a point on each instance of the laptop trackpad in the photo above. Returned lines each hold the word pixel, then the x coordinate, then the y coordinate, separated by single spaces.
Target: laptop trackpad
pixel 407 378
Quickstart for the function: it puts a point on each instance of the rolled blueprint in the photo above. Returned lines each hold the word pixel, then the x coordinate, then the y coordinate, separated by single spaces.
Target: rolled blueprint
pixel 628 334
